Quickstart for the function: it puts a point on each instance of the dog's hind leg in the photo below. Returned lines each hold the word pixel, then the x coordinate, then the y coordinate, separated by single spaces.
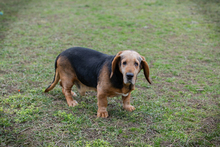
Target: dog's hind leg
pixel 79 88
pixel 67 84
pixel 83 88
pixel 73 93
pixel 67 77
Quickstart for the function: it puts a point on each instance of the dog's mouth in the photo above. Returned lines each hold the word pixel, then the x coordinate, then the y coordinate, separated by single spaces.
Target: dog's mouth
pixel 129 81
pixel 130 84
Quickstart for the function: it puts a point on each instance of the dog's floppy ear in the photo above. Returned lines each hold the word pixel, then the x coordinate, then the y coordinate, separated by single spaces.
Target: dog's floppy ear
pixel 115 62
pixel 145 68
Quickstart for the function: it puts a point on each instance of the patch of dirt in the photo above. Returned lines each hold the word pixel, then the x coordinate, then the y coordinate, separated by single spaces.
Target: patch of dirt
pixel 210 124
pixel 210 128
pixel 140 87
pixel 92 133
pixel 57 102
pixel 166 143
pixel 175 38
pixel 34 84
pixel 123 137
pixel 56 97
pixel 97 133
pixel 195 103
pixel 7 89
pixel 3 72
pixel 149 134
pixel 2 37
pixel 8 133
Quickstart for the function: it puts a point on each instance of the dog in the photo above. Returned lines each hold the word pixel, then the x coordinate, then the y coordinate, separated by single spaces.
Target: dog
pixel 109 75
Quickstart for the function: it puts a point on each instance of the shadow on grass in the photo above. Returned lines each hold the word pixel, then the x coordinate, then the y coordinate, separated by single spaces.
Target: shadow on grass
pixel 10 9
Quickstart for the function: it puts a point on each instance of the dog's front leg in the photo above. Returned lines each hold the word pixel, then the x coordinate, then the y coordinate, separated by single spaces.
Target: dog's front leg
pixel 126 103
pixel 102 105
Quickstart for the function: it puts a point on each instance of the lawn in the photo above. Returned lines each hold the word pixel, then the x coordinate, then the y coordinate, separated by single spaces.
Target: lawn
pixel 180 40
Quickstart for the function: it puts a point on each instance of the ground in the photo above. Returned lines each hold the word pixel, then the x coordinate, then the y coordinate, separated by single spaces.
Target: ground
pixel 178 38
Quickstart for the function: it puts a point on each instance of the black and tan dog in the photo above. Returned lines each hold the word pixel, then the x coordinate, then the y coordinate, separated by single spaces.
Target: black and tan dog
pixel 91 70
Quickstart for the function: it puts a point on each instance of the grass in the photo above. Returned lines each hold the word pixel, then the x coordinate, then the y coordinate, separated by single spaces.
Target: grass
pixel 179 39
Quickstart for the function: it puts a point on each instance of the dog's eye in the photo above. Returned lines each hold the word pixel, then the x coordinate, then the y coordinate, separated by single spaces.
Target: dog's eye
pixel 136 64
pixel 124 63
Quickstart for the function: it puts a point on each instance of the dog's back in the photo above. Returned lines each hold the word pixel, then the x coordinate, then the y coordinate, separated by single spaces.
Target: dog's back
pixel 86 63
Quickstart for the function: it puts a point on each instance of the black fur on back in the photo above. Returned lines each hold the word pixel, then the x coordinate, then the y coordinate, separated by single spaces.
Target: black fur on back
pixel 87 64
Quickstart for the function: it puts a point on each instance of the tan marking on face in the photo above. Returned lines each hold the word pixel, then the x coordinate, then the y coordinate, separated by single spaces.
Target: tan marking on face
pixel 130 65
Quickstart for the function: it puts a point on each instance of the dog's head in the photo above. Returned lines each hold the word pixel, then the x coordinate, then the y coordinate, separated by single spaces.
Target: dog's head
pixel 130 63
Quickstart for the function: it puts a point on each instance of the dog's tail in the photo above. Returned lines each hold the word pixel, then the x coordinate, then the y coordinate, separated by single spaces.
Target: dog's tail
pixel 55 79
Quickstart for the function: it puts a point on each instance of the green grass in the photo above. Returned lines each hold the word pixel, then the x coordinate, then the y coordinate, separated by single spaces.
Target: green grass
pixel 178 38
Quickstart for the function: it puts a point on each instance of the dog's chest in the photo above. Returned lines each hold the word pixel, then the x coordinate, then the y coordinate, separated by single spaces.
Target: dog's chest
pixel 118 92
pixel 123 94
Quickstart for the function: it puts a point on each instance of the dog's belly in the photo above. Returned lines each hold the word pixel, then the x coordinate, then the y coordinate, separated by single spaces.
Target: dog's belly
pixel 117 92
pixel 83 88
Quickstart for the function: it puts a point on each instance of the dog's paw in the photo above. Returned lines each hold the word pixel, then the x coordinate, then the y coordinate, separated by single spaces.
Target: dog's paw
pixel 73 94
pixel 129 107
pixel 102 113
pixel 72 103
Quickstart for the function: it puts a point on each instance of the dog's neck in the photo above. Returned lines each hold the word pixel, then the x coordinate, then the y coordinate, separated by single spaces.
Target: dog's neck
pixel 129 86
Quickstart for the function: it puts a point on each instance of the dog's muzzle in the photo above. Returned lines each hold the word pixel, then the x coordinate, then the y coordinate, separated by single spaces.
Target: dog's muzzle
pixel 129 77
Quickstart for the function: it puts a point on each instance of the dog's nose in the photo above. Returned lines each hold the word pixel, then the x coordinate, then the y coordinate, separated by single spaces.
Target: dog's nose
pixel 129 75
